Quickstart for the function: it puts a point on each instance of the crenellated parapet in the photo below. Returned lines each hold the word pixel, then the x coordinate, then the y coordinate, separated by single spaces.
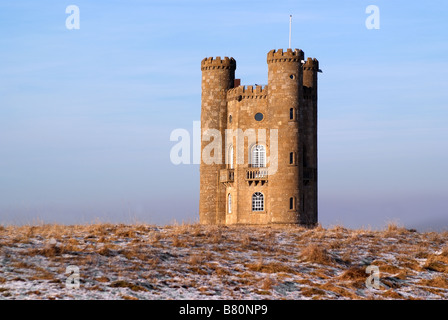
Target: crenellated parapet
pixel 218 63
pixel 311 64
pixel 247 92
pixel 310 70
pixel 289 55
pixel 276 181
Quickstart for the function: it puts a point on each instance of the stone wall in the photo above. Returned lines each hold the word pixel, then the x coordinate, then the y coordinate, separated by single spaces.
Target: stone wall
pixel 288 104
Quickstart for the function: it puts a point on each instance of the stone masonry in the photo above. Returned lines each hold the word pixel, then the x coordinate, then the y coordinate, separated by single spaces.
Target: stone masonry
pixel 260 178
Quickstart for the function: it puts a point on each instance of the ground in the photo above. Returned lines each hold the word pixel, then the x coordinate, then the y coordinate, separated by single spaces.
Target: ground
pixel 228 262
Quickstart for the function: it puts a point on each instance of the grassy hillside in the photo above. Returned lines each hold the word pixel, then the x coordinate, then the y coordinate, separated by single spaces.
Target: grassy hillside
pixel 209 262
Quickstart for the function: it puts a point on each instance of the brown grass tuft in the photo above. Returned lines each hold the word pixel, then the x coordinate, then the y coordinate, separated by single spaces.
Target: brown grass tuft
pixel 50 251
pixel 312 292
pixel 438 281
pixel 316 254
pixel 177 242
pixel 434 264
pixel 196 259
pixel 272 267
pixel 339 290
pixel 105 251
pixel 392 294
pixel 393 230
pixel 126 284
pixel 354 274
pixel 267 283
pixel 102 279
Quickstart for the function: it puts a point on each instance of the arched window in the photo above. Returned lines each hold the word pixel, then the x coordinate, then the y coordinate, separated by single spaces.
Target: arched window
pixel 229 203
pixel 258 156
pixel 257 201
pixel 230 161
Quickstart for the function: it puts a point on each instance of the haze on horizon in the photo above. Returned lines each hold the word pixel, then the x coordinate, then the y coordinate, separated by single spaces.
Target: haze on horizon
pixel 86 115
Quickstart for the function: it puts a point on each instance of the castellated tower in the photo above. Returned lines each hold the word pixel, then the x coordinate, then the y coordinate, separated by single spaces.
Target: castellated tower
pixel 309 147
pixel 265 169
pixel 218 76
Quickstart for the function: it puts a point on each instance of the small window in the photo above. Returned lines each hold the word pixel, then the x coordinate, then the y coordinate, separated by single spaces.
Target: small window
pixel 292 77
pixel 292 158
pixel 257 201
pixel 291 203
pixel 292 114
pixel 229 203
pixel 259 116
pixel 230 160
pixel 230 119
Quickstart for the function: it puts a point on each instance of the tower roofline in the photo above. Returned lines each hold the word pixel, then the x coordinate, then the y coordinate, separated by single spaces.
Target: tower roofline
pixel 311 64
pixel 247 92
pixel 289 55
pixel 218 63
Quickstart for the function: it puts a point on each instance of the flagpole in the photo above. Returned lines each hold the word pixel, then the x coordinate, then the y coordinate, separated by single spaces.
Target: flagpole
pixel 290 20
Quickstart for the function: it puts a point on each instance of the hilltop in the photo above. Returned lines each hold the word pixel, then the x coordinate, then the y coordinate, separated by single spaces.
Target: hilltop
pixel 229 262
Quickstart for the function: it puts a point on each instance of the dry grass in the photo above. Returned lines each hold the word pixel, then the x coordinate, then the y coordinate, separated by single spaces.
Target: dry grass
pixel 105 251
pixel 126 284
pixel 394 230
pixel 272 267
pixel 267 283
pixel 391 294
pixel 339 290
pixel 231 260
pixel 177 242
pixel 386 267
pixel 434 264
pixel 439 281
pixel 354 274
pixel 196 259
pixel 313 292
pixel 316 254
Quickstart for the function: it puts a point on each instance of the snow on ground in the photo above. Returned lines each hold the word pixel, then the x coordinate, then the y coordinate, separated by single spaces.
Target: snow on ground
pixel 211 262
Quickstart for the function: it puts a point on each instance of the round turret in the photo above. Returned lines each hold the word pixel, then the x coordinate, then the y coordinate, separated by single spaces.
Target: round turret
pixel 218 63
pixel 285 96
pixel 218 76
pixel 310 70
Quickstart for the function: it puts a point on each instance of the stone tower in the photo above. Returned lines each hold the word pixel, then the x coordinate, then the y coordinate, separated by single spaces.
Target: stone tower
pixel 264 171
pixel 218 76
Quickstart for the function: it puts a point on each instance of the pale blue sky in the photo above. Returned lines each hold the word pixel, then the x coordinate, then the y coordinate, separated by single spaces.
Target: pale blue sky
pixel 86 115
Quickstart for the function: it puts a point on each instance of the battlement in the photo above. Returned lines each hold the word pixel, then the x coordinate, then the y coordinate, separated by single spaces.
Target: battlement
pixel 247 92
pixel 289 55
pixel 218 63
pixel 311 64
pixel 246 191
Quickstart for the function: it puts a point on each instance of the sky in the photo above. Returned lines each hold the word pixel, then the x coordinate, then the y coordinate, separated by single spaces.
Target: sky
pixel 86 114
